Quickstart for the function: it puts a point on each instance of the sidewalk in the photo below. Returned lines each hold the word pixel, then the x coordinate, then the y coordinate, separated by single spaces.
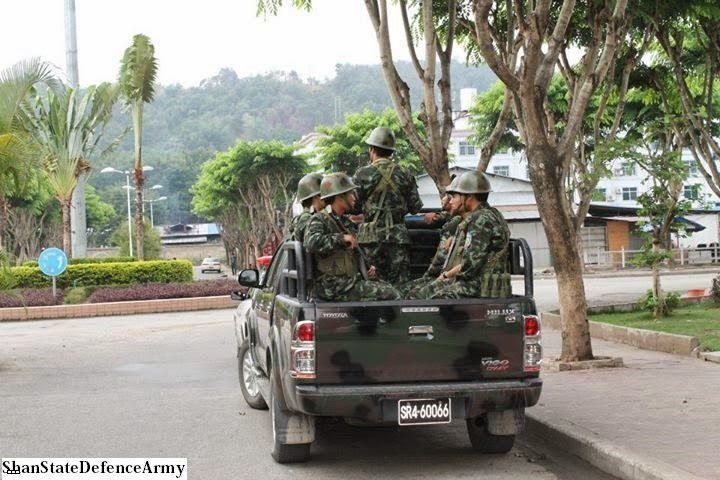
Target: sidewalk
pixel 657 418
pixel 633 272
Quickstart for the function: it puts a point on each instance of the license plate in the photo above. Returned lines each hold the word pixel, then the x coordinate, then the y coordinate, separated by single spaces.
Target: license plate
pixel 426 411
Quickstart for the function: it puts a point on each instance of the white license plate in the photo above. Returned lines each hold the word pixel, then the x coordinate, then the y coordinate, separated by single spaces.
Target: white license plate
pixel 425 411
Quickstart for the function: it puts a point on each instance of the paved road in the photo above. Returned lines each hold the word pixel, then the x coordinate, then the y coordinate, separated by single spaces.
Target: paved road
pixel 165 386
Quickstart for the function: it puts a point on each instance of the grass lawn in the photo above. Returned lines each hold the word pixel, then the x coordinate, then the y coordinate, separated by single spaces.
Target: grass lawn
pixel 698 320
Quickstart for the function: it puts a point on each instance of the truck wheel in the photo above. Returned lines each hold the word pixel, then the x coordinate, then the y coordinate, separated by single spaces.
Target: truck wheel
pixel 284 452
pixel 248 374
pixel 484 441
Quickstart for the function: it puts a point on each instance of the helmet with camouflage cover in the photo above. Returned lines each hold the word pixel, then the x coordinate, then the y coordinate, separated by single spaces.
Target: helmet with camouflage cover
pixel 382 137
pixel 469 183
pixel 309 186
pixel 335 184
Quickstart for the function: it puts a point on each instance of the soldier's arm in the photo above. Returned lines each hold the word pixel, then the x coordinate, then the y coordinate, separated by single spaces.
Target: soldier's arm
pixel 359 193
pixel 319 239
pixel 482 234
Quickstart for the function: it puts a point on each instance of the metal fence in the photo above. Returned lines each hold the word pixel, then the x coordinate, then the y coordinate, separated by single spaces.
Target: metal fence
pixel 623 258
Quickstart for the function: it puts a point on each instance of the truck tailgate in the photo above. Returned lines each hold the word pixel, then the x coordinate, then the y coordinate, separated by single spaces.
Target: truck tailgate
pixel 419 341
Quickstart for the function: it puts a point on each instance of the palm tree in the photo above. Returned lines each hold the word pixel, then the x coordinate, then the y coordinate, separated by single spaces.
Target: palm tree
pixel 68 132
pixel 17 85
pixel 138 69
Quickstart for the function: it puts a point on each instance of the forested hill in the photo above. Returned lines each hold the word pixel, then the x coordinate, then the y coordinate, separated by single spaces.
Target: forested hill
pixel 280 106
pixel 183 127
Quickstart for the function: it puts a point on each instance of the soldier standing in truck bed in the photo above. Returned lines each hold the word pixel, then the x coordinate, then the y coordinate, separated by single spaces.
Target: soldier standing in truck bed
pixel 386 193
pixel 308 194
pixel 477 262
pixel 330 237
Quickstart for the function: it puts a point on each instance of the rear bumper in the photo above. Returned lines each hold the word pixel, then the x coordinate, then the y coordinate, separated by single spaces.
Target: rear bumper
pixel 378 403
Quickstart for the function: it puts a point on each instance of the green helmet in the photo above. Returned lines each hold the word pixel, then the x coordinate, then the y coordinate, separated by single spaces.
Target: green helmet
pixel 335 184
pixel 382 137
pixel 309 186
pixel 469 183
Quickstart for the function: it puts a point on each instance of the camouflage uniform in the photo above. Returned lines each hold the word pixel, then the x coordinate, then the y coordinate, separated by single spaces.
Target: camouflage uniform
pixel 298 225
pixel 384 203
pixel 337 273
pixel 438 260
pixel 481 245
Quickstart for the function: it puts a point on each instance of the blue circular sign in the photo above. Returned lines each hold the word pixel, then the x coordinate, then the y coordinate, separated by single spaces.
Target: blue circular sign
pixel 52 261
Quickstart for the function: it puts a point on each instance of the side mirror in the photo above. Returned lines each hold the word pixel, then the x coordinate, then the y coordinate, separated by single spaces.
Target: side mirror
pixel 249 278
pixel 238 296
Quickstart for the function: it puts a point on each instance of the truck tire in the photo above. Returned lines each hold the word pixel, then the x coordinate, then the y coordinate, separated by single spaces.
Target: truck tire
pixel 247 371
pixel 284 452
pixel 484 441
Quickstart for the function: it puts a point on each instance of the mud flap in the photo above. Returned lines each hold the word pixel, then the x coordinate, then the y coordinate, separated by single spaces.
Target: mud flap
pixel 506 422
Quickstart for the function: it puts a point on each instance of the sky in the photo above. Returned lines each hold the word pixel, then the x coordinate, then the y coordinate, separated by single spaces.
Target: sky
pixel 195 39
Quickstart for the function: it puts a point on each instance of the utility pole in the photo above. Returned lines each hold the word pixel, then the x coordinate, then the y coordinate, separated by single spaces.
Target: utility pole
pixel 78 221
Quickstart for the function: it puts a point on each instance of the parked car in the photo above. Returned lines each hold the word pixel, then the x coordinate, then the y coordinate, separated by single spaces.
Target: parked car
pixel 402 362
pixel 210 264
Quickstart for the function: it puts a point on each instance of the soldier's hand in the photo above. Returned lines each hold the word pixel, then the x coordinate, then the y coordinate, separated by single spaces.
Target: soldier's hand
pixel 372 273
pixel 356 218
pixel 432 217
pixel 350 241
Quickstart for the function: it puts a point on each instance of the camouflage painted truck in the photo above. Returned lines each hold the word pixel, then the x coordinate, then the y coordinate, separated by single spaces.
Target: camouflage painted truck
pixel 404 362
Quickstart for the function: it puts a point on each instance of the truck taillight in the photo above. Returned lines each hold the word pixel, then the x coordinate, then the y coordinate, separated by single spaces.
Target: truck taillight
pixel 302 350
pixel 532 357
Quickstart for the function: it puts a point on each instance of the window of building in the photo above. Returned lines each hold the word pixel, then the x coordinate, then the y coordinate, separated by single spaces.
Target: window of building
pixel 599 195
pixel 628 169
pixel 629 193
pixel 467 148
pixel 503 170
pixel 691 192
pixel 691 167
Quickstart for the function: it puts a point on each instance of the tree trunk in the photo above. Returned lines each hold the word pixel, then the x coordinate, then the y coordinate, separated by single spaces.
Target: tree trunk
pixel 139 225
pixel 139 180
pixel 563 240
pixel 66 235
pixel 658 309
pixel 3 221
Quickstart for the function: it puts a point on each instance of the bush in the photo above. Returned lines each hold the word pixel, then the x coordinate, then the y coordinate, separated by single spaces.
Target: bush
pixel 156 291
pixel 78 261
pixel 30 298
pixel 95 274
pixel 78 295
pixel 715 291
pixel 151 241
pixel 668 302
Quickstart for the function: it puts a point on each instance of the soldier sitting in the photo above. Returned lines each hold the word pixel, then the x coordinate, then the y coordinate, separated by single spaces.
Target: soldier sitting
pixel 477 261
pixel 308 194
pixel 330 237
pixel 452 220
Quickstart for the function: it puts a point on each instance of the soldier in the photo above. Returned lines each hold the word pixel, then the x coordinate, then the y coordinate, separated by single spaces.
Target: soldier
pixel 386 193
pixel 477 262
pixel 308 193
pixel 338 260
pixel 452 220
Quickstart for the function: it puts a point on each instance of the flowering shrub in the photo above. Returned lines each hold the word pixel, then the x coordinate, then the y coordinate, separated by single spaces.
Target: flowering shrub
pixel 35 297
pixel 156 291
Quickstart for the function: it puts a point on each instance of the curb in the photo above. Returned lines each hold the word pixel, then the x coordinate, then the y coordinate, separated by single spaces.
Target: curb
pixel 637 273
pixel 601 453
pixel 116 308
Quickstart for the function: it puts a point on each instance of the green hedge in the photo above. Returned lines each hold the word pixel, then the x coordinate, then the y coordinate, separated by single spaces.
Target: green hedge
pixel 97 274
pixel 78 261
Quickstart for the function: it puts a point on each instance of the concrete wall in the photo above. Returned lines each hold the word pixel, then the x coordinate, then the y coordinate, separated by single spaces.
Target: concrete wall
pixel 534 233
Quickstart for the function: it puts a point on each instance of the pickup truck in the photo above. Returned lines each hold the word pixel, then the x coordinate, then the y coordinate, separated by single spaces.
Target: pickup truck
pixel 403 362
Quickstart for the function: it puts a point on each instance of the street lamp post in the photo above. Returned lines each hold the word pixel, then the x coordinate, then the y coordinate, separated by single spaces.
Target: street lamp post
pixel 127 189
pixel 151 202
